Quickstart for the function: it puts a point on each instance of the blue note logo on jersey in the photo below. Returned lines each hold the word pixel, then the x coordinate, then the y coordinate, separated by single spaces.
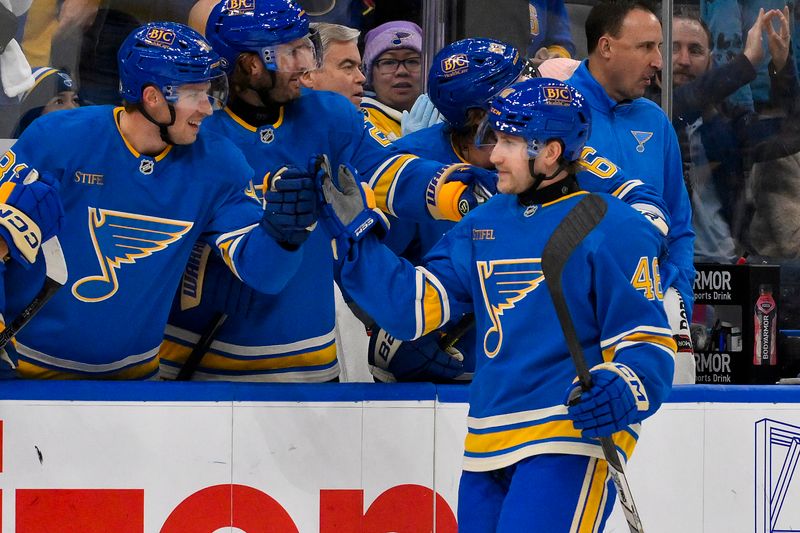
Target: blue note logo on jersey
pixel 641 138
pixel 122 238
pixel 504 282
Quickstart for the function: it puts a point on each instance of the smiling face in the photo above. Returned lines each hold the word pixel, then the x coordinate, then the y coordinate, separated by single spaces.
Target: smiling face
pixel 398 88
pixel 340 72
pixel 633 57
pixel 191 108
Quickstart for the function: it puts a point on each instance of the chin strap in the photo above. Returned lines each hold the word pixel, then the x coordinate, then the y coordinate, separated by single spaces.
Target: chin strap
pixel 538 178
pixel 162 128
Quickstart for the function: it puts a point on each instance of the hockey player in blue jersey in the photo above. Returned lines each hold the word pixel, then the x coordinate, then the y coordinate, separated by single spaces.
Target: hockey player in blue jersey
pixel 291 336
pixel 531 462
pixel 464 76
pixel 140 185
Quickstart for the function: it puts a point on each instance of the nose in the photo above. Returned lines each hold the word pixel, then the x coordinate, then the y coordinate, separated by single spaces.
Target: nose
pixel 656 60
pixel 360 78
pixel 495 157
pixel 204 106
pixel 681 56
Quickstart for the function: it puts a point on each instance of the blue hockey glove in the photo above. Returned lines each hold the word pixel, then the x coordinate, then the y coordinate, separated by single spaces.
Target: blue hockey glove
pixel 457 189
pixel 348 210
pixel 615 400
pixel 211 282
pixel 423 115
pixel 290 213
pixel 392 360
pixel 30 213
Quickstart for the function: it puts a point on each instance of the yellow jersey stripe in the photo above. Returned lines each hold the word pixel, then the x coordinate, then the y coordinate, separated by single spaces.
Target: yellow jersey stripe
pixel 639 338
pixel 593 506
pixel 178 353
pixel 431 307
pixel 385 183
pixel 31 371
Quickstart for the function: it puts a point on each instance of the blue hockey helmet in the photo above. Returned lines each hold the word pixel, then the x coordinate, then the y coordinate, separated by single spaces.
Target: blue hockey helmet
pixel 540 110
pixel 468 73
pixel 258 26
pixel 168 55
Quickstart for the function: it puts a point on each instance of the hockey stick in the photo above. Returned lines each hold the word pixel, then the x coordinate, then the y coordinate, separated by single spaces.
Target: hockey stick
pixel 56 270
pixel 450 338
pixel 199 351
pixel 568 235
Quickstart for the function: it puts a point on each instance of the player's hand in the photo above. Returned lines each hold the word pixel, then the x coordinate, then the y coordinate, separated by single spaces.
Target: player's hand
pixel 290 213
pixel 616 399
pixel 458 189
pixel 223 291
pixel 392 360
pixel 348 209
pixel 423 115
pixel 30 213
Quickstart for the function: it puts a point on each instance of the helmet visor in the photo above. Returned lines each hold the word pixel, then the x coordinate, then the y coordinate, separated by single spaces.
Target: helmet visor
pixel 213 93
pixel 487 138
pixel 300 55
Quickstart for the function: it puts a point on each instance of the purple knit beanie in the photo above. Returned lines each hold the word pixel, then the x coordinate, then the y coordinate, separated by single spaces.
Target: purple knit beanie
pixel 391 35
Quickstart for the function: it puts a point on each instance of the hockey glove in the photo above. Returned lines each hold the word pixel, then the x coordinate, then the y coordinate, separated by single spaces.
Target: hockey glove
pixel 457 189
pixel 221 290
pixel 348 211
pixel 30 213
pixel 290 213
pixel 392 360
pixel 615 400
pixel 423 115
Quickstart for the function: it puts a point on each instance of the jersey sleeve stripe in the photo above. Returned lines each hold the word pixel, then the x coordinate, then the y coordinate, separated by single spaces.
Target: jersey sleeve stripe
pixel 648 330
pixel 383 181
pixel 626 187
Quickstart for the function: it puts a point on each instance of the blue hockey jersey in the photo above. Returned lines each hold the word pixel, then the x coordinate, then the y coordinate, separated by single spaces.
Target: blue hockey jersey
pixel 413 240
pixel 130 223
pixel 490 263
pixel 637 136
pixel 292 337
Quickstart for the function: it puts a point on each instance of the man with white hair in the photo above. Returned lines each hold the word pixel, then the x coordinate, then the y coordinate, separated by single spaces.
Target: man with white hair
pixel 341 63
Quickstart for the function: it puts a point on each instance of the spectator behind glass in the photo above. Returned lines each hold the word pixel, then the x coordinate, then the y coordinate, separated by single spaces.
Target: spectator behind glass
pixel 717 137
pixel 341 62
pixel 550 33
pixel 392 63
pixel 54 90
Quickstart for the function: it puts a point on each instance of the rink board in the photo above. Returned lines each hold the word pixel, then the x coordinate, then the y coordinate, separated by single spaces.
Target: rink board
pixel 188 457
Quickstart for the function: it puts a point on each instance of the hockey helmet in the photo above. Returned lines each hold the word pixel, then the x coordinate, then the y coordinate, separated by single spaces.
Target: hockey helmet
pixel 168 55
pixel 263 27
pixel 540 110
pixel 468 73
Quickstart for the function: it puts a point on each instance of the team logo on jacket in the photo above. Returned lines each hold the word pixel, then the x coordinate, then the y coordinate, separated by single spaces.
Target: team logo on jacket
pixel 504 282
pixel 267 135
pixel 119 239
pixel 641 138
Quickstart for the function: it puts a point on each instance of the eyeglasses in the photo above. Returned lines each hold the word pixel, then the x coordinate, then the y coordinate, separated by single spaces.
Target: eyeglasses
pixel 390 66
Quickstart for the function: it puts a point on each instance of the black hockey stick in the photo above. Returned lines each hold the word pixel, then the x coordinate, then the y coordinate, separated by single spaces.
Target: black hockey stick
pixel 199 351
pixel 568 235
pixel 450 338
pixel 56 269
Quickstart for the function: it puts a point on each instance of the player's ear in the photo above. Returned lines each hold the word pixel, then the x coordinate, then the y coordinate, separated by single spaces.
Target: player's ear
pixel 151 95
pixel 552 151
pixel 307 79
